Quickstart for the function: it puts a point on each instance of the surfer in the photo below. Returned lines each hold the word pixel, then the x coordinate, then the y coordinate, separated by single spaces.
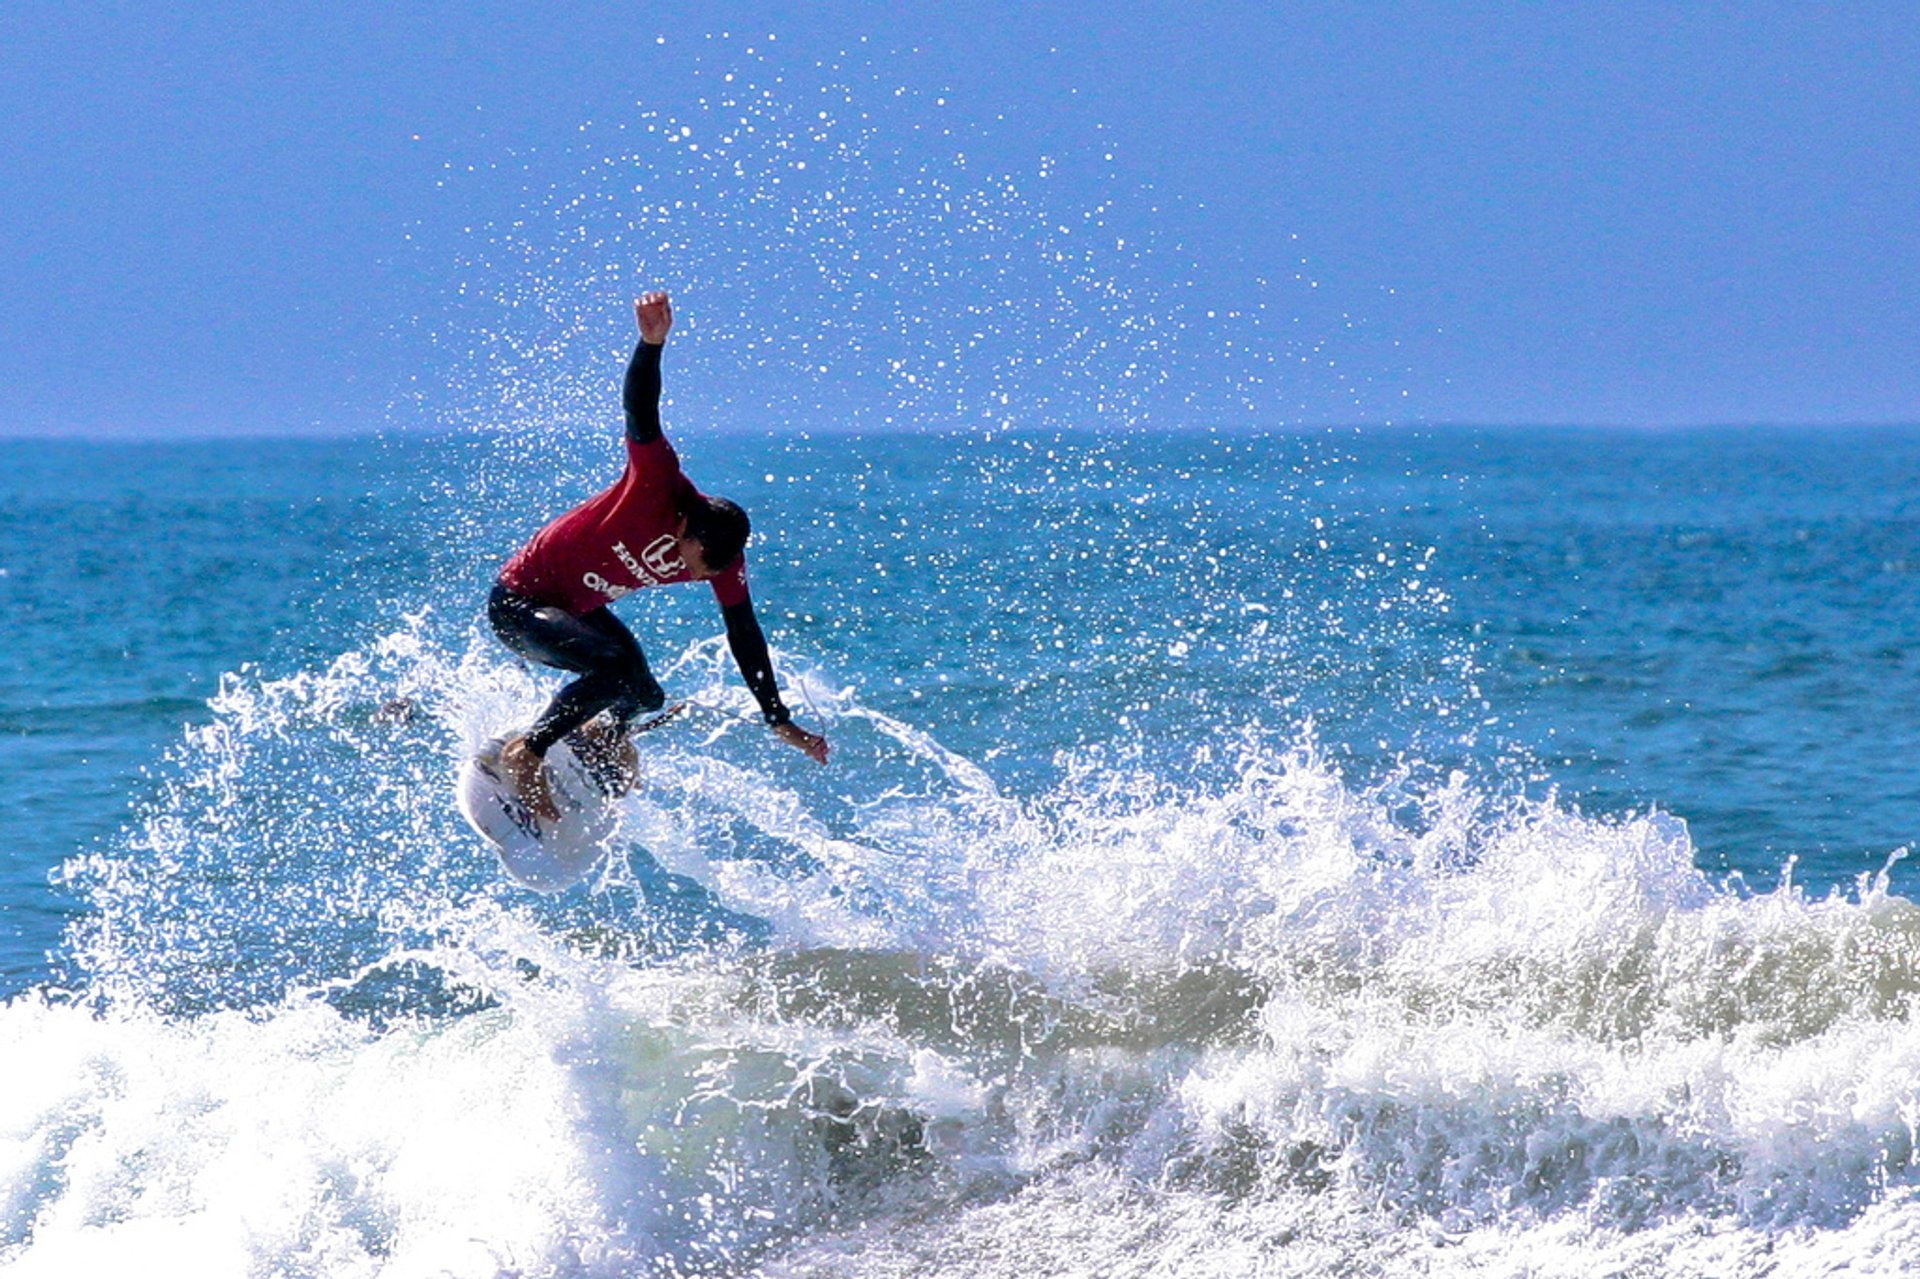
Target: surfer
pixel 651 528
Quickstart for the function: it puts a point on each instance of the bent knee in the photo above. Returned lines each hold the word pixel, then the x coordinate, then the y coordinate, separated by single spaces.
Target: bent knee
pixel 652 697
pixel 643 691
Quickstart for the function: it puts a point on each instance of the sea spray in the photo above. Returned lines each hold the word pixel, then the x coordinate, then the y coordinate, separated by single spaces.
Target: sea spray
pixel 1387 1019
pixel 1026 957
pixel 1174 904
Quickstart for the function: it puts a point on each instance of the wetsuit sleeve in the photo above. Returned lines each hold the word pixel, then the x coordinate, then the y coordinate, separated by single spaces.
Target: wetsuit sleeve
pixel 749 647
pixel 640 394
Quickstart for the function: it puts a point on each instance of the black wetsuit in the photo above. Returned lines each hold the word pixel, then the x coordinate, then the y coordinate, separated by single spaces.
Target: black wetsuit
pixel 614 676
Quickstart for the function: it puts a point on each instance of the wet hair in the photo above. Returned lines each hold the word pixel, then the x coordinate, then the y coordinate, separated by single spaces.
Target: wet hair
pixel 721 528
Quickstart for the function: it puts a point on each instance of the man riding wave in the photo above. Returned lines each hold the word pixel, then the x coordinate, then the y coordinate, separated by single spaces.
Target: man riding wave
pixel 651 528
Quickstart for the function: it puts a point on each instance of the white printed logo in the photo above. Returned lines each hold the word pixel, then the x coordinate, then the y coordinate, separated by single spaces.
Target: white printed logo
pixel 661 560
pixel 662 563
pixel 663 556
pixel 596 582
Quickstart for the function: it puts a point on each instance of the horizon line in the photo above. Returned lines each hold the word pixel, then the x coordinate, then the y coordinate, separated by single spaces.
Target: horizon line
pixel 86 436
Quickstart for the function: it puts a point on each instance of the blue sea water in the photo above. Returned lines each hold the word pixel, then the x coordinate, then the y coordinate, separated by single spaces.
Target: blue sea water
pixel 1247 850
pixel 1429 851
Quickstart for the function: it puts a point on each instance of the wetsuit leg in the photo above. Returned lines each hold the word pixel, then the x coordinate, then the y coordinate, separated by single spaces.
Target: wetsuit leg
pixel 613 671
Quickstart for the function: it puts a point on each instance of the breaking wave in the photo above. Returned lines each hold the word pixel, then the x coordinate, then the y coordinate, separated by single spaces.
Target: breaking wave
pixel 1128 1024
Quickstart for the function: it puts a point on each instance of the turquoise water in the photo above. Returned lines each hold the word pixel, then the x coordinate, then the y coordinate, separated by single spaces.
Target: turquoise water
pixel 1477 749
pixel 1248 850
pixel 1716 623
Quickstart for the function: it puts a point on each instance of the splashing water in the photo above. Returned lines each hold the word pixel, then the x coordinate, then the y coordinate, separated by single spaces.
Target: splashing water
pixel 1107 960
pixel 938 1026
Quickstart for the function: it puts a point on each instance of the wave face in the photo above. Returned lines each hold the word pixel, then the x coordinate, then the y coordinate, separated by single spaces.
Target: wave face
pixel 1245 852
pixel 1124 1023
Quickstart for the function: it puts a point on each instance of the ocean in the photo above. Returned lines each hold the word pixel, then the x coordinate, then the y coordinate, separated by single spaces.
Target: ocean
pixel 1378 851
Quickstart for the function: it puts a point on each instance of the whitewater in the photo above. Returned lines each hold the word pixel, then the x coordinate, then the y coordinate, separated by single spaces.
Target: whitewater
pixel 1280 1026
pixel 1248 850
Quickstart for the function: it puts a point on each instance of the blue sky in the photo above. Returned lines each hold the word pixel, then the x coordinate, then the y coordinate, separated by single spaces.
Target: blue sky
pixel 225 218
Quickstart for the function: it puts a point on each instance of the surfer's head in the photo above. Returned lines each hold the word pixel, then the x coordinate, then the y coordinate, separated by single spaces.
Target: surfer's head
pixel 712 536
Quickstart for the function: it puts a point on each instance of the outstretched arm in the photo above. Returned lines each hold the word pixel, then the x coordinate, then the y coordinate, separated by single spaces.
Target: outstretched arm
pixel 749 646
pixel 640 395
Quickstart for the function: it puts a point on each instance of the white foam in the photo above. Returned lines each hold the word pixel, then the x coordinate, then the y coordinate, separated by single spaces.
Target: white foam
pixel 1250 1027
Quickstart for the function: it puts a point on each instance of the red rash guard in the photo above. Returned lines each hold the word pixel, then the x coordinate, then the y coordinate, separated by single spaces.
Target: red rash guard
pixel 623 540
pixel 620 541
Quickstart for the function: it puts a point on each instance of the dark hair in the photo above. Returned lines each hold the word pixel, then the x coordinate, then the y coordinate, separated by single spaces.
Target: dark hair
pixel 721 528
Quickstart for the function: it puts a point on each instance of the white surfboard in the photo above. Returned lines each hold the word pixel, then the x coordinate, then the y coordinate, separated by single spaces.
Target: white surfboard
pixel 546 856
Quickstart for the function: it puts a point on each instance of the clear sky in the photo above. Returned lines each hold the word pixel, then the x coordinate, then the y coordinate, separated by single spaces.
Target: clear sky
pixel 223 217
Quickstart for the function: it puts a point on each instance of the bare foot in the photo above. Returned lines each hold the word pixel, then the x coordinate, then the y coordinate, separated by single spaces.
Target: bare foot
pixel 812 745
pixel 609 755
pixel 527 773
